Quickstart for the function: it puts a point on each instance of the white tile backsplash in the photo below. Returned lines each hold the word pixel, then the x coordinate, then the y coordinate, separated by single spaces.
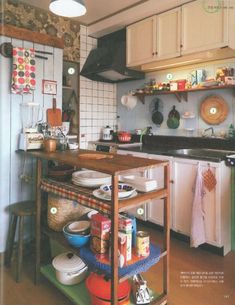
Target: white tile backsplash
pixel 97 100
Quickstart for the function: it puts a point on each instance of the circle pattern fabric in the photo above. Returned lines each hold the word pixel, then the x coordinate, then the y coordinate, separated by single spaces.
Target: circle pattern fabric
pixel 24 68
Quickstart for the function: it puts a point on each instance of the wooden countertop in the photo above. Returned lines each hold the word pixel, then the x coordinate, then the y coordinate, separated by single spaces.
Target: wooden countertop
pixel 112 164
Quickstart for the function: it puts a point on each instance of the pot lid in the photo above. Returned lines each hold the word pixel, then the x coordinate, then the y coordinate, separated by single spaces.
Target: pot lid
pixel 68 262
pixel 101 288
pixel 124 133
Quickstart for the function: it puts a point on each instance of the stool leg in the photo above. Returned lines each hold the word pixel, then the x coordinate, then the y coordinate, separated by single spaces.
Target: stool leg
pixel 20 249
pixel 10 240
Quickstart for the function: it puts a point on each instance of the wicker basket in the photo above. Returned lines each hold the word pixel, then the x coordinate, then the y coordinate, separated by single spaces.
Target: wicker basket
pixel 60 211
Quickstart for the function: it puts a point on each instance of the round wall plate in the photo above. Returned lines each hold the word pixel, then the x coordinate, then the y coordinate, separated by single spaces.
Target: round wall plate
pixel 214 110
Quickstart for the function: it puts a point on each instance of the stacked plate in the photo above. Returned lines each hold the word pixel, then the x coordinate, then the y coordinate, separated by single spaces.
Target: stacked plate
pixel 89 178
pixel 140 183
pixel 124 191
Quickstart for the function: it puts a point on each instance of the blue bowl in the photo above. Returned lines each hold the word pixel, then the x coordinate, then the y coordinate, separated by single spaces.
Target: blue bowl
pixel 76 240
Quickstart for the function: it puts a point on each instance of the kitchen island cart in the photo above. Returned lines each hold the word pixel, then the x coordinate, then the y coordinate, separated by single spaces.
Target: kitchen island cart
pixel 114 165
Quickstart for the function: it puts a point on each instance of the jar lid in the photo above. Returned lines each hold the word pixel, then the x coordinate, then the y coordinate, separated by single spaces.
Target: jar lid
pixel 68 262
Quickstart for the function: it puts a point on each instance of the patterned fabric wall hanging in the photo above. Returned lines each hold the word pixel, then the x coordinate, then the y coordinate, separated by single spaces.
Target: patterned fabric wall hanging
pixel 29 17
pixel 23 75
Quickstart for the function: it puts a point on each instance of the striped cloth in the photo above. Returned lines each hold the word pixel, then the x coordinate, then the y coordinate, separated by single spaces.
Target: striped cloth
pixel 82 195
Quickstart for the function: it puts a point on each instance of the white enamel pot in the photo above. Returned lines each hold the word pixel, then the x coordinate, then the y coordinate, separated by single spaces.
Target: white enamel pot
pixel 70 269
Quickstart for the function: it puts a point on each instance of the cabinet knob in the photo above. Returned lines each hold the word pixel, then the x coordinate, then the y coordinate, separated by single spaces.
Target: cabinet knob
pixel 156 53
pixel 172 181
pixel 153 53
pixel 181 46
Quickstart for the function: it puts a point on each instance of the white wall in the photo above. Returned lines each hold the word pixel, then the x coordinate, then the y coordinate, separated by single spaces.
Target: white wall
pixel 12 188
pixel 140 116
pixel 97 99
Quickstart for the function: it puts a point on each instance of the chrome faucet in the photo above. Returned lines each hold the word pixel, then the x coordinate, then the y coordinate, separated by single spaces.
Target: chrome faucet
pixel 212 131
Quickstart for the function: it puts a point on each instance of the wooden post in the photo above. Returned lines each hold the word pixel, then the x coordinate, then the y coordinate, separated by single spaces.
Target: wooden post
pixel 166 241
pixel 38 220
pixel 114 241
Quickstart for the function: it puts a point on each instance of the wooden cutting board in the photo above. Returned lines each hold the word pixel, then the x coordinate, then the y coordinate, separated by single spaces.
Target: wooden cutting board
pixel 214 110
pixel 54 115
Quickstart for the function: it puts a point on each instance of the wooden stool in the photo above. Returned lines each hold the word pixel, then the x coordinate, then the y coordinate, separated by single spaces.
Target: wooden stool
pixel 18 210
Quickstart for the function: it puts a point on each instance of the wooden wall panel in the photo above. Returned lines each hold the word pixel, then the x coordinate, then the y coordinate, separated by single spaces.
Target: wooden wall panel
pixel 58 72
pixel 49 75
pixel 12 165
pixel 4 144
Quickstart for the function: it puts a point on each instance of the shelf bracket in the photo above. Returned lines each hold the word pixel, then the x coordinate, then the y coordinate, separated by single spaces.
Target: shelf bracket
pixel 185 96
pixel 178 96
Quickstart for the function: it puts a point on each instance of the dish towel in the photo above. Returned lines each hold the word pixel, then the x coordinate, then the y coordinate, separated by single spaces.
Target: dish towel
pixel 23 75
pixel 198 235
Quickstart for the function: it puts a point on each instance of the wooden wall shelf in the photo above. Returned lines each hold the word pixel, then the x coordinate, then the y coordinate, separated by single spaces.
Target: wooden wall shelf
pixel 36 37
pixel 179 94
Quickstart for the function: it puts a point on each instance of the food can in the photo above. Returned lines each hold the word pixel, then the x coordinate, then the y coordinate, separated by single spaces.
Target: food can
pixel 142 244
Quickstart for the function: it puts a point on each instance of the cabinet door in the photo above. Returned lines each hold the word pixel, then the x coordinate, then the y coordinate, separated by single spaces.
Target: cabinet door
pixel 141 44
pixel 184 181
pixel 155 207
pixel 202 29
pixel 168 27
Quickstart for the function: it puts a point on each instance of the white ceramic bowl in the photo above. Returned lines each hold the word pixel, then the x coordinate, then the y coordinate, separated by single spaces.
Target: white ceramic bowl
pixel 124 190
pixel 73 145
pixel 78 226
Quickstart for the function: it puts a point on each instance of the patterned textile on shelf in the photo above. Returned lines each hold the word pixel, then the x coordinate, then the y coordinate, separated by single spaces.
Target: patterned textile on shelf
pixel 23 75
pixel 140 266
pixel 82 195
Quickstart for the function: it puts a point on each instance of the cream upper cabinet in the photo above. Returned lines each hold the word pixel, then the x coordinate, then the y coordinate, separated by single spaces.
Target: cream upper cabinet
pixel 201 29
pixel 154 38
pixel 141 44
pixel 168 28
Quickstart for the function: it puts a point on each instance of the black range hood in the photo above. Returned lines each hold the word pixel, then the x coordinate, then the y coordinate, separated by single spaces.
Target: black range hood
pixel 107 63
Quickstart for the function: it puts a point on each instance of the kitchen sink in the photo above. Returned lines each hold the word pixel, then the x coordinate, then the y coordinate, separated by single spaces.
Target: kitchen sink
pixel 201 153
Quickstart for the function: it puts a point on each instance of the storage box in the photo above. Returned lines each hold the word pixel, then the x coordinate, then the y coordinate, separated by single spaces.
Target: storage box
pixel 173 86
pixel 181 84
pixel 100 233
pixel 229 80
pixel 125 226
pixel 124 223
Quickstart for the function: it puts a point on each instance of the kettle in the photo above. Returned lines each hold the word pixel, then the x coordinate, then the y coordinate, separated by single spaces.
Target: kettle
pixel 107 134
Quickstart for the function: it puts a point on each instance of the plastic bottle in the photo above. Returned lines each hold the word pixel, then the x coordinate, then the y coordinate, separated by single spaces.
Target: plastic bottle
pixel 118 124
pixel 231 131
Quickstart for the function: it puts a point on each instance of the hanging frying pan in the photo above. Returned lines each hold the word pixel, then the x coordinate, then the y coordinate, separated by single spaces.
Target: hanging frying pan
pixel 173 120
pixel 157 116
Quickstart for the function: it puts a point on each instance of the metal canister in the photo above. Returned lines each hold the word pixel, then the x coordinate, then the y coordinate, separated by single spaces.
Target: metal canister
pixel 142 244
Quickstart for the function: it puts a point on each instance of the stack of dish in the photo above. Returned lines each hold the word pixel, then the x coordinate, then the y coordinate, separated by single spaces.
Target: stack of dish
pixel 89 178
pixel 124 191
pixel 77 233
pixel 142 184
pixel 61 172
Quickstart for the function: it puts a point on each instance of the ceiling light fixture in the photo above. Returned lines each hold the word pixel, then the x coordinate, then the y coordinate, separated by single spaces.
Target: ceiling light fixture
pixel 68 8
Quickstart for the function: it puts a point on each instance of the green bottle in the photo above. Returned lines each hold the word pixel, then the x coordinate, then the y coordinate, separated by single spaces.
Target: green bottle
pixel 231 131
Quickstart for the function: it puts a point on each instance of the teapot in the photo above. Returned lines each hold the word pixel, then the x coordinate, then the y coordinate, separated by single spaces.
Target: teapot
pixel 107 134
